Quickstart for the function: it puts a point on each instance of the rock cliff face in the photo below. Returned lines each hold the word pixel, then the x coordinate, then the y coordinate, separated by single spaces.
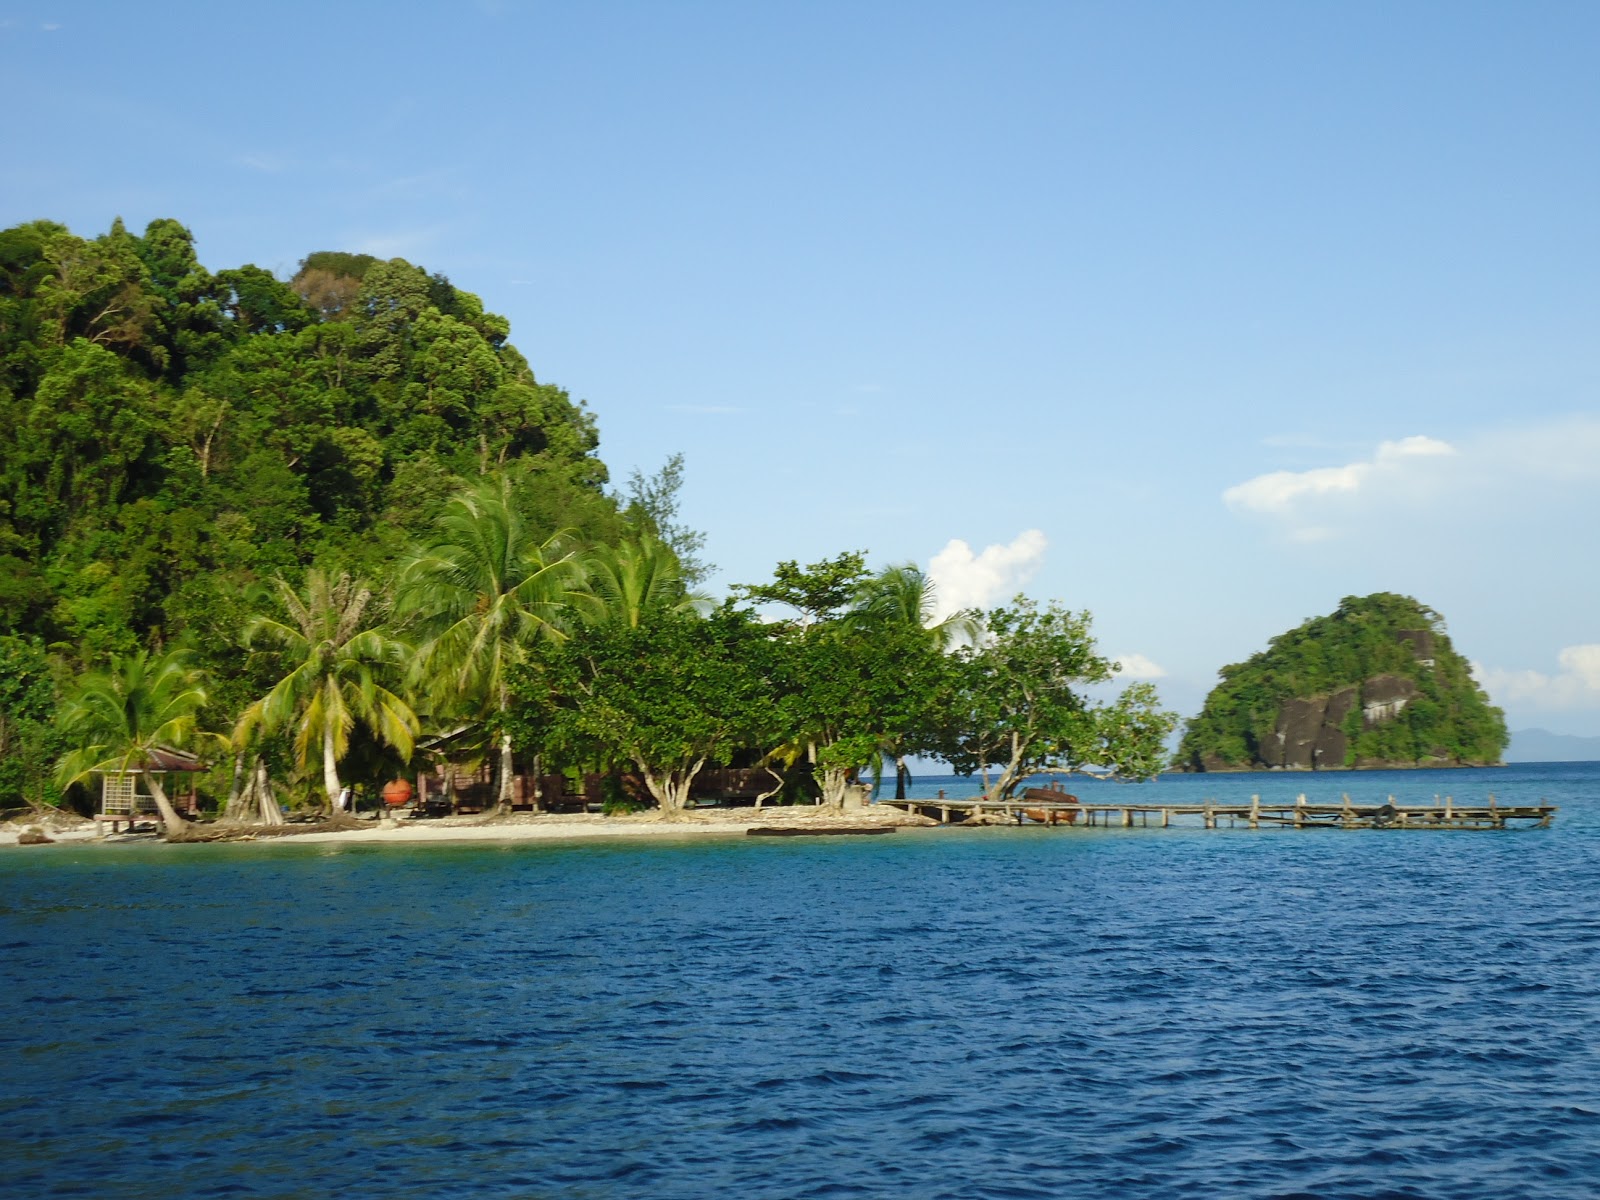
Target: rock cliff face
pixel 1376 684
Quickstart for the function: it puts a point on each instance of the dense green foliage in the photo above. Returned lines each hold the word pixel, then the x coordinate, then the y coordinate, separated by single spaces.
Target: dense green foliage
pixel 174 433
pixel 311 526
pixel 1449 719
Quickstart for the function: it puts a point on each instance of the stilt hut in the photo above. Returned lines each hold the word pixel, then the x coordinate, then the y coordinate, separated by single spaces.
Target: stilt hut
pixel 123 799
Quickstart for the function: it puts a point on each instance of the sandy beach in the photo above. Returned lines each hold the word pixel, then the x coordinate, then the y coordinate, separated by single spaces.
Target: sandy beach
pixel 522 827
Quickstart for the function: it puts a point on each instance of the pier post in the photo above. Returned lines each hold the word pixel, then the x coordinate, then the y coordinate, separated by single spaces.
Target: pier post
pixel 1210 817
pixel 1300 811
pixel 1449 808
pixel 1255 812
pixel 1348 820
pixel 1166 817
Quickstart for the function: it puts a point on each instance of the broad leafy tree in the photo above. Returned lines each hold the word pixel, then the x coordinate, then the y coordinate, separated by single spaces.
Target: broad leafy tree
pixel 1019 702
pixel 667 695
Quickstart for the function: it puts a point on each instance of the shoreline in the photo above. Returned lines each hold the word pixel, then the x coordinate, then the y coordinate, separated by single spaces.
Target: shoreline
pixel 516 829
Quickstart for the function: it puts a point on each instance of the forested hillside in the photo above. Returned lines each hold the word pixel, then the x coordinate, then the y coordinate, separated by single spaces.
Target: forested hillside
pixel 1376 683
pixel 170 430
pixel 173 436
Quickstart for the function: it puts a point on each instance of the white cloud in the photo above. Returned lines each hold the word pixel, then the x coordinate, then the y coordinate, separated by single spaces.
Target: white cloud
pixel 1551 467
pixel 1279 491
pixel 962 579
pixel 1575 685
pixel 1137 666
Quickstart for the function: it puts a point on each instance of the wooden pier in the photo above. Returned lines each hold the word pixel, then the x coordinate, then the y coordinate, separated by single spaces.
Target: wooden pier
pixel 1211 814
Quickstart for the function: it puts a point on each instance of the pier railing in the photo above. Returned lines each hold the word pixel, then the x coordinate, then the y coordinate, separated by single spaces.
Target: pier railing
pixel 1211 814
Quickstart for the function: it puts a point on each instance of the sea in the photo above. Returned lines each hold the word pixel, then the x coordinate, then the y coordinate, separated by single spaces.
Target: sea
pixel 961 1013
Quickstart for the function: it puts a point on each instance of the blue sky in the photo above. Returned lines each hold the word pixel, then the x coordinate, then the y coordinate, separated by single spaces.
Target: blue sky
pixel 1200 316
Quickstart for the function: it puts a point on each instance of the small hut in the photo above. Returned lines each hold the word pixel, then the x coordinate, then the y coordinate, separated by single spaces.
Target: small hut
pixel 122 798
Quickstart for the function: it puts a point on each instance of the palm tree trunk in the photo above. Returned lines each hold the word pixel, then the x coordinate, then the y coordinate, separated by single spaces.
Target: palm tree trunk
pixel 261 790
pixel 171 823
pixel 330 767
pixel 238 793
pixel 502 801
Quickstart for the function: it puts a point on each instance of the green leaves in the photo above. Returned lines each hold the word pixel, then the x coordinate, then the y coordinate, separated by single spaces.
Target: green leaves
pixel 1019 701
pixel 667 695
pixel 336 661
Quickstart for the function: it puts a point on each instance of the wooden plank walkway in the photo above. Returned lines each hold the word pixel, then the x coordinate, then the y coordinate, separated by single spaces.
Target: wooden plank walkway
pixel 1442 814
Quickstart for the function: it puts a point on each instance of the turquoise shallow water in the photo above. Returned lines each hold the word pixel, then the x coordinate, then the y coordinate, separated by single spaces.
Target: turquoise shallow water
pixel 994 1013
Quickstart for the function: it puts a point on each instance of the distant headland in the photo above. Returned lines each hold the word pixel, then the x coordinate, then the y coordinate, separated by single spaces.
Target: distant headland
pixel 1375 685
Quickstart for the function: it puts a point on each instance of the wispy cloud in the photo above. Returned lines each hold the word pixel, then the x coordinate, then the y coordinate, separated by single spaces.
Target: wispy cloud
pixel 1575 684
pixel 1278 491
pixel 270 164
pixel 1420 474
pixel 1137 666
pixel 962 579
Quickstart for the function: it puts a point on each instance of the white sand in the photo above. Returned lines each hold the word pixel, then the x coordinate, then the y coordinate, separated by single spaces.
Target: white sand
pixel 543 827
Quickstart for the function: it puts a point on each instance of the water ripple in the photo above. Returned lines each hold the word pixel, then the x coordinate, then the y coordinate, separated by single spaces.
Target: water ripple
pixel 962 1015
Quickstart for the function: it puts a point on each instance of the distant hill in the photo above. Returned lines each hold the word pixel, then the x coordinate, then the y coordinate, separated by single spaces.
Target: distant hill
pixel 1540 745
pixel 1375 684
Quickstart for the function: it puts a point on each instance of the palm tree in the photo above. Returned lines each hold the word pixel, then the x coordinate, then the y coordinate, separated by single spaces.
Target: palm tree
pixel 904 597
pixel 120 717
pixel 482 594
pixel 635 579
pixel 337 658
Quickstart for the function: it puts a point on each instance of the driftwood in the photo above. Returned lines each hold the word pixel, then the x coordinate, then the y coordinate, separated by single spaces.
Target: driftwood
pixel 814 830
pixel 338 823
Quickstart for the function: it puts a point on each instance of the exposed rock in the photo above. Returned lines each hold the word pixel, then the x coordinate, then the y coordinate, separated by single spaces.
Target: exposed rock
pixel 1383 697
pixel 34 837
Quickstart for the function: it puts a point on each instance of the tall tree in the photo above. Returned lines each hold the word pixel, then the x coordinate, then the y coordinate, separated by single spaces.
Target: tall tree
pixel 337 658
pixel 119 717
pixel 1020 703
pixel 903 598
pixel 654 501
pixel 481 594
pixel 636 579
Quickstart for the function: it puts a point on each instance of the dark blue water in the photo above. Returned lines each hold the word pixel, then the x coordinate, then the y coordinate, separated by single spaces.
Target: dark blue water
pixel 990 1013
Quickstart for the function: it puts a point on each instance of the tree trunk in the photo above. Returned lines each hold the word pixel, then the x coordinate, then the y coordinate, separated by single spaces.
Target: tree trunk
pixel 502 799
pixel 1012 775
pixel 834 782
pixel 171 823
pixel 670 788
pixel 261 791
pixel 761 797
pixel 233 813
pixel 330 767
